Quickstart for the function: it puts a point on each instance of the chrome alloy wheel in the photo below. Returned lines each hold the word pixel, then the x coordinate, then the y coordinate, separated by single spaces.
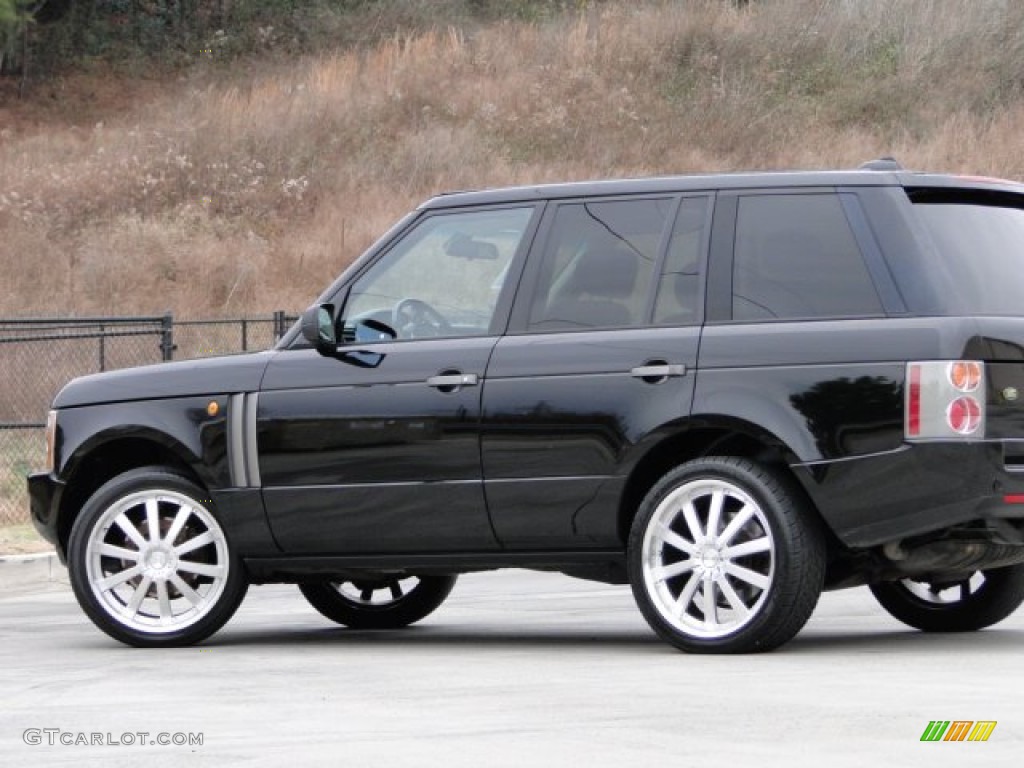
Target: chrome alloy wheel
pixel 708 558
pixel 371 594
pixel 157 561
pixel 946 594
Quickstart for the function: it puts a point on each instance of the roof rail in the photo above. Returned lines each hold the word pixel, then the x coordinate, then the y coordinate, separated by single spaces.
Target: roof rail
pixel 882 164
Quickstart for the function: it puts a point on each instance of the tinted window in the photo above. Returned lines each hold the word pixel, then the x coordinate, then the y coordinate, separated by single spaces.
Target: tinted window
pixel 678 299
pixel 441 279
pixel 796 257
pixel 597 265
pixel 979 239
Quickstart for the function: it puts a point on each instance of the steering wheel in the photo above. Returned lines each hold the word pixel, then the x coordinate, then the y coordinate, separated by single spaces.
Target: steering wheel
pixel 413 319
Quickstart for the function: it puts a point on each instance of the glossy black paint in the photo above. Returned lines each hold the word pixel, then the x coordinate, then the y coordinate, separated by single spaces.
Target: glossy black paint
pixel 234 373
pixel 375 459
pixel 562 414
pixel 95 442
pixel 365 466
pixel 912 490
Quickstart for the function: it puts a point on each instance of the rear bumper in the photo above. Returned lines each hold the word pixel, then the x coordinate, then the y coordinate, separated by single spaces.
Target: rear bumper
pixel 44 492
pixel 917 489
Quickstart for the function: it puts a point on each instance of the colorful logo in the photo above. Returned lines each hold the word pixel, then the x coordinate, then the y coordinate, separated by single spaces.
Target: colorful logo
pixel 958 730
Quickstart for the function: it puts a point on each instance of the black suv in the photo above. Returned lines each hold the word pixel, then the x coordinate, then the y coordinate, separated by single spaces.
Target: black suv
pixel 729 391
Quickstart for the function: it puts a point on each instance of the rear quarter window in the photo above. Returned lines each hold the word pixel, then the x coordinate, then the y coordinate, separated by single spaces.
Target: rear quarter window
pixel 974 250
pixel 796 258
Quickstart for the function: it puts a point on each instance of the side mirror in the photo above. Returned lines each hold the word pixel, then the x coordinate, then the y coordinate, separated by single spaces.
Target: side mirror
pixel 318 329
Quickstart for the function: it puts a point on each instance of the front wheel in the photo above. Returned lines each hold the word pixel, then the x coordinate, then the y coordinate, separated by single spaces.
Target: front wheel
pixel 150 563
pixel 724 557
pixel 378 602
pixel 977 601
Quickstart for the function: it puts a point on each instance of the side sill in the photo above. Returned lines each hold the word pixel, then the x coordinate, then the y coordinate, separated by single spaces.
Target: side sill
pixel 599 565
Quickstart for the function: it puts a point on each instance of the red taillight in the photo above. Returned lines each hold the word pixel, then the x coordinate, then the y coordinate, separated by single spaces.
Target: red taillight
pixel 945 400
pixel 964 415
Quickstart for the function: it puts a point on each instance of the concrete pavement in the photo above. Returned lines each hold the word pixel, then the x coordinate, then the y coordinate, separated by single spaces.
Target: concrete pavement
pixel 21 574
pixel 516 669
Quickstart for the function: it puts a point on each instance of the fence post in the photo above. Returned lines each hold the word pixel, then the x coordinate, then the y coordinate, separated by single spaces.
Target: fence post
pixel 245 335
pixel 278 324
pixel 103 348
pixel 167 337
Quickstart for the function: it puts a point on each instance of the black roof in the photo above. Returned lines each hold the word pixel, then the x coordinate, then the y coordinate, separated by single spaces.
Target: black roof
pixel 723 181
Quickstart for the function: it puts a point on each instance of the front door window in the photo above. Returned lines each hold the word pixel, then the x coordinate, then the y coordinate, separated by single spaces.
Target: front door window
pixel 441 280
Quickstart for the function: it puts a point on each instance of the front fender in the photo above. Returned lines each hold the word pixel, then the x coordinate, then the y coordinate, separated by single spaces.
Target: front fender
pixel 181 425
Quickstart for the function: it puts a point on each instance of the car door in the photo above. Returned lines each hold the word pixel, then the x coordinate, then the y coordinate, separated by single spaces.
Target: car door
pixel 375 449
pixel 600 356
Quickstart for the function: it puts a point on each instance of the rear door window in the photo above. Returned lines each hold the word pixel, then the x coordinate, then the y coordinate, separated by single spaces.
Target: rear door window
pixel 678 301
pixel 597 264
pixel 796 258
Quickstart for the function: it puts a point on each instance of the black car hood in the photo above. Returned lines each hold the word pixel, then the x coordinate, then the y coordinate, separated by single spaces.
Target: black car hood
pixel 210 375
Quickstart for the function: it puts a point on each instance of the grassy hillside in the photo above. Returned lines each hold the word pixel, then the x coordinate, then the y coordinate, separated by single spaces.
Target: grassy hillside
pixel 220 192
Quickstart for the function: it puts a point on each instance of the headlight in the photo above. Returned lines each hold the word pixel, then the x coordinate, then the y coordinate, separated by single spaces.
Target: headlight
pixel 51 441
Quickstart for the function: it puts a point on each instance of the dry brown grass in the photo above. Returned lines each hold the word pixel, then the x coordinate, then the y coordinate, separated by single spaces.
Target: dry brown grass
pixel 250 194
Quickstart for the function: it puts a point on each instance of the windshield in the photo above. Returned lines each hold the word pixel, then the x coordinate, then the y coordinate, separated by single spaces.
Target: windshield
pixel 978 238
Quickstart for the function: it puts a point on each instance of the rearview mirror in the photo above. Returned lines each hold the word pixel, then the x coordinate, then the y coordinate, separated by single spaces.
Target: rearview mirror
pixel 462 246
pixel 318 329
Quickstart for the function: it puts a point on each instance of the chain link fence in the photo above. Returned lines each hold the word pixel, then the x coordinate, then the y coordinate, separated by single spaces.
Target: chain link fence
pixel 38 356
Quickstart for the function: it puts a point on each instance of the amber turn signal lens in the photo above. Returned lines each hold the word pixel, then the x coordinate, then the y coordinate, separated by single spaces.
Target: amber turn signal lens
pixel 965 375
pixel 213 408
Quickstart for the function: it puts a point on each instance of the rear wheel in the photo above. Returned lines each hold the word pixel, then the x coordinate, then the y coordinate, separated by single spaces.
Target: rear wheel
pixel 384 602
pixel 150 563
pixel 724 557
pixel 980 600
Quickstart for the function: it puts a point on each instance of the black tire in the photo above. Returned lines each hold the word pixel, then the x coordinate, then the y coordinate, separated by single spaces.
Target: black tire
pixel 995 595
pixel 112 536
pixel 352 603
pixel 749 589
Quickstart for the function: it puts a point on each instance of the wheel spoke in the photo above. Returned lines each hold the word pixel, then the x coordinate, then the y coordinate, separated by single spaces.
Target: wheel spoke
pixel 745 574
pixel 153 519
pixel 734 600
pixel 139 595
pixel 666 572
pixel 396 589
pixel 686 595
pixel 192 544
pixel 203 569
pixel 119 578
pixel 673 539
pixel 743 517
pixel 752 547
pixel 690 514
pixel 366 595
pixel 165 600
pixel 133 533
pixel 710 605
pixel 179 522
pixel 110 550
pixel 190 594
pixel 715 513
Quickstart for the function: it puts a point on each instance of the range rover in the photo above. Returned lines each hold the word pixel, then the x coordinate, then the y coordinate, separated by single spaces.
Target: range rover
pixel 729 391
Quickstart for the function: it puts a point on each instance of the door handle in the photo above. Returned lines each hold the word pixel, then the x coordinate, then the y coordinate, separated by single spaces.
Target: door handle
pixel 449 382
pixel 657 372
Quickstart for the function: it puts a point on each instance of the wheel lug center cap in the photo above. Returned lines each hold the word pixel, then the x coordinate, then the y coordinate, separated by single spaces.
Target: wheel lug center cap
pixel 710 562
pixel 158 561
pixel 710 559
